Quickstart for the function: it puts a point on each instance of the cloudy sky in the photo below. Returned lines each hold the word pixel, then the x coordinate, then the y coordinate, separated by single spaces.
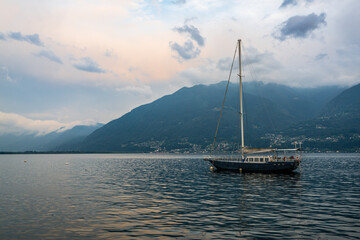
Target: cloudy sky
pixel 84 61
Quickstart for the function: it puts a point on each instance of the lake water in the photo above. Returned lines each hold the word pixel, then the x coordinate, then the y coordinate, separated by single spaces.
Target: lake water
pixel 118 196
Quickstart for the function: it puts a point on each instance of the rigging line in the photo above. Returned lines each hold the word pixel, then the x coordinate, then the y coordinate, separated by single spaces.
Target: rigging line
pixel 236 144
pixel 245 110
pixel 253 73
pixel 223 103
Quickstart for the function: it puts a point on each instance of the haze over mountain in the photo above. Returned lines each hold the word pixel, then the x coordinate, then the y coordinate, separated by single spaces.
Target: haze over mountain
pixel 338 125
pixel 345 105
pixel 303 103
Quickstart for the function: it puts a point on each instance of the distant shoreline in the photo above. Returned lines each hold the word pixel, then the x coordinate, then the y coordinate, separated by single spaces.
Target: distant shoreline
pixel 50 152
pixel 176 153
pixel 70 152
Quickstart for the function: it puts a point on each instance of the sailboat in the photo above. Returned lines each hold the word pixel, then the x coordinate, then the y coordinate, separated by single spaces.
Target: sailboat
pixel 264 160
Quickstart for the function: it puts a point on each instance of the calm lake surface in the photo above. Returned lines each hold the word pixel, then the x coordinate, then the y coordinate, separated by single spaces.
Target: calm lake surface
pixel 143 196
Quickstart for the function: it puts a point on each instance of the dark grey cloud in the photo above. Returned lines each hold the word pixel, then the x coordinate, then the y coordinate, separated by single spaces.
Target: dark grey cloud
pixel 2 36
pixel 299 26
pixel 287 3
pixel 88 65
pixel 193 31
pixel 320 56
pixel 187 51
pixel 33 38
pixel 49 55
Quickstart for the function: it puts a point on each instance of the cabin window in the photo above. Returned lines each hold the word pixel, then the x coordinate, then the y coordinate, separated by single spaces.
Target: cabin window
pixel 261 159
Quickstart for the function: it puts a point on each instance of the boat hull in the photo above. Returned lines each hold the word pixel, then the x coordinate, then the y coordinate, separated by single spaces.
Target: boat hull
pixel 269 167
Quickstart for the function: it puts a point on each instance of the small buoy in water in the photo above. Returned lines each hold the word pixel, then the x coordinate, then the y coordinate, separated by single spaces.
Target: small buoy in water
pixel 25 161
pixel 66 163
pixel 212 168
pixel 240 170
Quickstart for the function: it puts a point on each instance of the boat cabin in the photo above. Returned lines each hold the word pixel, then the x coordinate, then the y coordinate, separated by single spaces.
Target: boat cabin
pixel 265 159
pixel 258 159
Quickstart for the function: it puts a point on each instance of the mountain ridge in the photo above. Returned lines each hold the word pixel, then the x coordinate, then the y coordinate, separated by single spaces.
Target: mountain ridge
pixel 187 119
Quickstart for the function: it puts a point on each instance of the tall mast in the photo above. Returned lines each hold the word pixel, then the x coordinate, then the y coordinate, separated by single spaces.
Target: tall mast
pixel 241 103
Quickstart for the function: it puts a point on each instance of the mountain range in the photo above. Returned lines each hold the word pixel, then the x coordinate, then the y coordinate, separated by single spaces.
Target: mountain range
pixel 322 118
pixel 187 119
pixel 54 141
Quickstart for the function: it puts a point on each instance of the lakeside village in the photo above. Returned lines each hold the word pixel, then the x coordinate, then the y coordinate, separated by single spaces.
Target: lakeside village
pixel 329 144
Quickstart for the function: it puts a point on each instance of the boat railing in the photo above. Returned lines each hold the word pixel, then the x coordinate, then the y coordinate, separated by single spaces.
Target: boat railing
pixel 268 158
pixel 228 158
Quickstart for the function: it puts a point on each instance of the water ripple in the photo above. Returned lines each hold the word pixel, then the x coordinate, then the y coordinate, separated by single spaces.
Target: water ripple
pixel 175 196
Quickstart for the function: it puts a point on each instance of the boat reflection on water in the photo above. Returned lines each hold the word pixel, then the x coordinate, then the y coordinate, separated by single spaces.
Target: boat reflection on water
pixel 259 203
